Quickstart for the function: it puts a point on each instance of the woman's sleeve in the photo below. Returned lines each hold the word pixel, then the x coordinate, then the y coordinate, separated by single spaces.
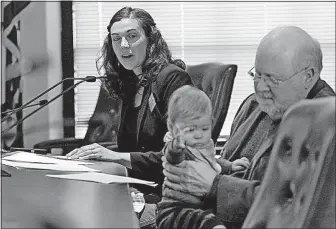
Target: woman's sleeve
pixel 147 166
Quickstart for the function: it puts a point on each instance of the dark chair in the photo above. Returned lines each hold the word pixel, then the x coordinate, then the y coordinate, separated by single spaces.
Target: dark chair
pixel 102 127
pixel 298 190
pixel 215 79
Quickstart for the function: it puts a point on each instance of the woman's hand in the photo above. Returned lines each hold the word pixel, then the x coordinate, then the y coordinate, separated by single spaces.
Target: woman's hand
pixel 194 177
pixel 94 151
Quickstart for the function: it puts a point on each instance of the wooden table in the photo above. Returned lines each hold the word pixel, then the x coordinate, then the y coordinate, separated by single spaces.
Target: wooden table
pixel 32 200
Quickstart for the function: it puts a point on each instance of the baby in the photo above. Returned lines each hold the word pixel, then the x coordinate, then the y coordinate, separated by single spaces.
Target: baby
pixel 190 123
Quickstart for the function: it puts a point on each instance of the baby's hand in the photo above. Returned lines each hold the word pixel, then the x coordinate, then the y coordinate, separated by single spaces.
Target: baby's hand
pixel 219 227
pixel 240 164
pixel 218 168
pixel 179 142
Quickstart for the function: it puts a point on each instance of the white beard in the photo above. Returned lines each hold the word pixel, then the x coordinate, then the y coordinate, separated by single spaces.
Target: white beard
pixel 274 110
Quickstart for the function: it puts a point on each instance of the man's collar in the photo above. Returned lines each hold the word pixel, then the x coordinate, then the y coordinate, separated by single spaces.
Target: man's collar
pixel 318 86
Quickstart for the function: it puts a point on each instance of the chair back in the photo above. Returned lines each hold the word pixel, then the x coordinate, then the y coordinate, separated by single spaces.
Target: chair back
pixel 216 80
pixel 102 127
pixel 103 124
pixel 298 190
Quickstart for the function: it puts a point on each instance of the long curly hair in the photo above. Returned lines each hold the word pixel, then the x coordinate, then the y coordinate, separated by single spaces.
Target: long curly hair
pixel 123 83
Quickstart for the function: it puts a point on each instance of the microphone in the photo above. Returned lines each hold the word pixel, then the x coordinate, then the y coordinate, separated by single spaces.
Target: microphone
pixel 92 78
pixel 10 112
pixel 86 79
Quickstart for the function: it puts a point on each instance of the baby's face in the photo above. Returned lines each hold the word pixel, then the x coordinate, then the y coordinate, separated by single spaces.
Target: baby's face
pixel 196 132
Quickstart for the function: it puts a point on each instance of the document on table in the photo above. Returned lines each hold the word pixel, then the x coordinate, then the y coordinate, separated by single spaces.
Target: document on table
pixel 69 167
pixel 35 158
pixel 35 161
pixel 103 178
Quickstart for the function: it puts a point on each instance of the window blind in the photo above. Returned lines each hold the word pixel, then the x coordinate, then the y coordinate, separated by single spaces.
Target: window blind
pixel 198 32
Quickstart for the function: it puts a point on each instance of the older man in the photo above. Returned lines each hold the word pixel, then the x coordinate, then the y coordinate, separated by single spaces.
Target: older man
pixel 287 69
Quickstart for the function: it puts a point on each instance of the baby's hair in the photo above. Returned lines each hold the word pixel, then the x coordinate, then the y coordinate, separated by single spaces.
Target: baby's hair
pixel 188 102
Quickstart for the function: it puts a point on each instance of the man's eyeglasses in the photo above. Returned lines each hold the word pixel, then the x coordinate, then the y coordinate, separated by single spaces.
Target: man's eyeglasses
pixel 270 80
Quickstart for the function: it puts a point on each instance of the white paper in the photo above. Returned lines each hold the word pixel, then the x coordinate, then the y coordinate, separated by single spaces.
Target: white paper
pixel 35 158
pixel 70 167
pixel 103 178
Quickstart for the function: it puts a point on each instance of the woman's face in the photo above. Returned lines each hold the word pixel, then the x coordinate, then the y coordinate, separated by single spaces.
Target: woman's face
pixel 129 43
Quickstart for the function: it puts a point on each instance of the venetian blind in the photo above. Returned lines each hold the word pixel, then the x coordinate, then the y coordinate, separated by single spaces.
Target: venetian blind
pixel 199 32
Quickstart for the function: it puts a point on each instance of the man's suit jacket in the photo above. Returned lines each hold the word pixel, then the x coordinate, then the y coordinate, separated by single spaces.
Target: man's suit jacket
pixel 234 196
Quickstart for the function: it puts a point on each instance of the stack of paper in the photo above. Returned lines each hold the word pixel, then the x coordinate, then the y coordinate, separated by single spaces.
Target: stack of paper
pixel 102 178
pixel 36 158
pixel 35 161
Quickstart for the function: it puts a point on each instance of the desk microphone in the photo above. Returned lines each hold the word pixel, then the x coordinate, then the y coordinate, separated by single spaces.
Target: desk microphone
pixel 86 79
pixel 10 112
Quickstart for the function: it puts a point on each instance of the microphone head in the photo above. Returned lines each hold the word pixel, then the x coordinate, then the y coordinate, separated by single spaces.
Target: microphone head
pixel 42 102
pixel 90 79
pixel 102 77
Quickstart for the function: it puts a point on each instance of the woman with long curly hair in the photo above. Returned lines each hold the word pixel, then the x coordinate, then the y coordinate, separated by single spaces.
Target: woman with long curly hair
pixel 141 72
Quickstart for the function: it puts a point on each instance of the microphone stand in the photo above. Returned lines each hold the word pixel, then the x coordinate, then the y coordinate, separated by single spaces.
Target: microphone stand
pixel 10 112
pixel 33 112
pixel 86 79
pixel 38 96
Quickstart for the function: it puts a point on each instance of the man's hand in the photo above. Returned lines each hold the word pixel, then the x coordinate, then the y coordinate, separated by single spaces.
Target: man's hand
pixel 194 177
pixel 180 196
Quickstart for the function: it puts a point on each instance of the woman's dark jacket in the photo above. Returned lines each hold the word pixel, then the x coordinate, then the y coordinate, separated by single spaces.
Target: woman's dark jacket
pixel 151 124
